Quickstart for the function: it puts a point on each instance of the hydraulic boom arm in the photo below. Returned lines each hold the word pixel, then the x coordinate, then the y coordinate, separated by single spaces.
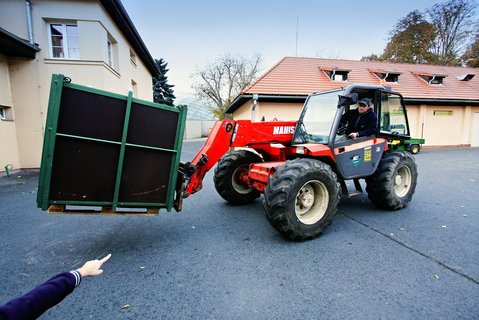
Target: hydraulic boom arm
pixel 230 133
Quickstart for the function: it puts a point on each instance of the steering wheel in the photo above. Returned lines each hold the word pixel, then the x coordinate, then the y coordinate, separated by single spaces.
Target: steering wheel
pixel 341 129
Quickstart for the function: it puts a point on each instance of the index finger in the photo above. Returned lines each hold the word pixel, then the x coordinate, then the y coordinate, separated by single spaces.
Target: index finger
pixel 105 259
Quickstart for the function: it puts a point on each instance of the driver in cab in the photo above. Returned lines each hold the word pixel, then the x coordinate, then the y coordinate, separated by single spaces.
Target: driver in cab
pixel 360 122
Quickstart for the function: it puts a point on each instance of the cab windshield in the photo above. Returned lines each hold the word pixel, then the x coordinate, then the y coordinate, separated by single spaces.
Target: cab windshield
pixel 317 118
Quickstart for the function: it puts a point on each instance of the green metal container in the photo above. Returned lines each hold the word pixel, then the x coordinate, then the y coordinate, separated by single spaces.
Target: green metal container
pixel 107 150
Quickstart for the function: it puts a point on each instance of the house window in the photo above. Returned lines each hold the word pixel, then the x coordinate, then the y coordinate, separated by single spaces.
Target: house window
pixel 466 77
pixel 340 76
pixel 436 80
pixel 392 77
pixel 134 88
pixel 6 113
pixel 432 78
pixel 388 76
pixel 110 53
pixel 132 57
pixel 336 74
pixel 64 42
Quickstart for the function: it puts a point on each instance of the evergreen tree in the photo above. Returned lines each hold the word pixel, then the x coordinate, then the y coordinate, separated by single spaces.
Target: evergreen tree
pixel 162 91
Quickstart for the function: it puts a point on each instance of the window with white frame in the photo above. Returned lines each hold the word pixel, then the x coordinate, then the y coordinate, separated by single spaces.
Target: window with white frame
pixel 112 50
pixel 336 74
pixel 387 76
pixel 6 113
pixel 134 88
pixel 64 41
pixel 132 57
pixel 110 53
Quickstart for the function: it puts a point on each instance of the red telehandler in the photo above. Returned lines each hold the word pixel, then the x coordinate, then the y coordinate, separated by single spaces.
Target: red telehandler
pixel 117 152
pixel 300 166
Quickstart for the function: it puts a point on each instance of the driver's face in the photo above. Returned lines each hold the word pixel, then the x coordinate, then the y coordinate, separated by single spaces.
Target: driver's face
pixel 362 108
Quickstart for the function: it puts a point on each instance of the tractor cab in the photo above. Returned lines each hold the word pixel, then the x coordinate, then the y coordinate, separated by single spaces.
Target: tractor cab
pixel 321 123
pixel 320 118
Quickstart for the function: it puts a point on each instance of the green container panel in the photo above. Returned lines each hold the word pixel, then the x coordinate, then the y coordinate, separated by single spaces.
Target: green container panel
pixel 105 149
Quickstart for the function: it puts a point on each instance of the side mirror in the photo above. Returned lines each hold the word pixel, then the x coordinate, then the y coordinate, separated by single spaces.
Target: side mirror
pixel 347 100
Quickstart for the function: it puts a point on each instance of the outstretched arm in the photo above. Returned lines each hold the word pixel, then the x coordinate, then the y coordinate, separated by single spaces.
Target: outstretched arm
pixel 40 299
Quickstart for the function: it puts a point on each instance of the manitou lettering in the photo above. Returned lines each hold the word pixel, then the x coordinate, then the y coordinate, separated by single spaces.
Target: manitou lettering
pixel 283 130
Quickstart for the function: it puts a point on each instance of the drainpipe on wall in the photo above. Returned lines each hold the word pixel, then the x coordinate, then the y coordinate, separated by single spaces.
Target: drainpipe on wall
pixel 29 21
pixel 253 110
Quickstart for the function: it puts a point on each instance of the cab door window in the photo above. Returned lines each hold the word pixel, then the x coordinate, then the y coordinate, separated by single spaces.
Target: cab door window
pixel 392 117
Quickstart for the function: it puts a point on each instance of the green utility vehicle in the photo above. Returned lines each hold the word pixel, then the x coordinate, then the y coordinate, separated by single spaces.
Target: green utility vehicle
pixel 412 145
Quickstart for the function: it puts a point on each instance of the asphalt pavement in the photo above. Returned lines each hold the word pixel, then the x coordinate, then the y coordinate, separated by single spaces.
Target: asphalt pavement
pixel 217 261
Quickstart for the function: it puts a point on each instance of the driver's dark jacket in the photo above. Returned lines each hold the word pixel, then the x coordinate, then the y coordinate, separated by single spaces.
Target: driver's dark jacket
pixel 364 125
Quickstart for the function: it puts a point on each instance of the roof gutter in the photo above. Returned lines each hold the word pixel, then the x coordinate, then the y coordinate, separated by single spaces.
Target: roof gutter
pixel 11 45
pixel 440 102
pixel 242 98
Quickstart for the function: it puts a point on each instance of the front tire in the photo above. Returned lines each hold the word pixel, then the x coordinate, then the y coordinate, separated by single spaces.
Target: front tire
pixel 301 198
pixel 414 148
pixel 228 174
pixel 393 184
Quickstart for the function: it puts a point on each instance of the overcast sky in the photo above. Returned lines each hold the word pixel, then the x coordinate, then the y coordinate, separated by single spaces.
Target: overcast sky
pixel 189 34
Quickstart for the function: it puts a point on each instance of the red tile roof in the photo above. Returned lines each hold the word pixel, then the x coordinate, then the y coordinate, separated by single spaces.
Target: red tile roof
pixel 302 76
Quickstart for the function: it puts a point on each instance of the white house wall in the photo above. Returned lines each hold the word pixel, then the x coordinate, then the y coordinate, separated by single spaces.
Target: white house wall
pixel 8 134
pixel 269 110
pixel 30 79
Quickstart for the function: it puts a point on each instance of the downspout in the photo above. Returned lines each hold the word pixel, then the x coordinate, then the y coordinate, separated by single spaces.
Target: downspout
pixel 253 110
pixel 29 21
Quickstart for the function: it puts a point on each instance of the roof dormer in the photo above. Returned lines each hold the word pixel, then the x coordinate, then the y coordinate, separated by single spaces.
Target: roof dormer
pixel 336 74
pixel 430 78
pixel 466 77
pixel 386 76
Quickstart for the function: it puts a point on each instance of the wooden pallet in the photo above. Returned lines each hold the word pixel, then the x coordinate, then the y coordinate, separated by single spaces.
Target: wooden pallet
pixel 62 209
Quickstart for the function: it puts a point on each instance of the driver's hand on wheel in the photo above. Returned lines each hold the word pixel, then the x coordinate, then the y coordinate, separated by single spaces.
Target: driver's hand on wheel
pixel 353 135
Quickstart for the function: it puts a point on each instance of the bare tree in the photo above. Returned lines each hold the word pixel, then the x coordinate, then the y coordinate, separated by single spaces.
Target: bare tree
pixel 471 57
pixel 454 22
pixel 221 81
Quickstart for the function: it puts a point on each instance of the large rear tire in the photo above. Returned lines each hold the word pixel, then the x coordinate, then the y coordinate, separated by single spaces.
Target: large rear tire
pixel 393 184
pixel 301 198
pixel 228 174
